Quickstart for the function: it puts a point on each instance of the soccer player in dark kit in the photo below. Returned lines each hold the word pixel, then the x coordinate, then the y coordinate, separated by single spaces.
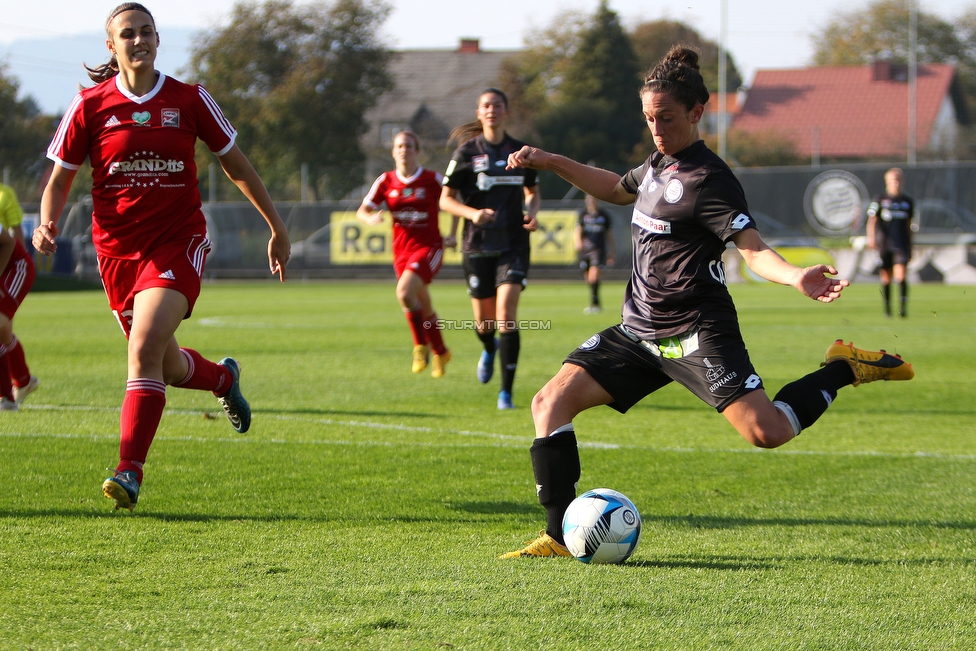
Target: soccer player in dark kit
pixel 889 232
pixel 678 319
pixel 499 208
pixel 594 243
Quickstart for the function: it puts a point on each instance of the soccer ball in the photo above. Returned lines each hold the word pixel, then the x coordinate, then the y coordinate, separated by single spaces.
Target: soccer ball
pixel 601 526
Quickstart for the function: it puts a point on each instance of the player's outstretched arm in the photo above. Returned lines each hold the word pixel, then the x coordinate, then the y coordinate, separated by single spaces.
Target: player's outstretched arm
pixel 239 170
pixel 602 184
pixel 767 263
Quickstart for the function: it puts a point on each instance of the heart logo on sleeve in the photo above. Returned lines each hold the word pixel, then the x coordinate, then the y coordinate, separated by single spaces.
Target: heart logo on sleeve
pixel 142 117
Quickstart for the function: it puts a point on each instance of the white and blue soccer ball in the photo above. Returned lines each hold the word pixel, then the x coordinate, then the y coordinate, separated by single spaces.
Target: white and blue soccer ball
pixel 602 526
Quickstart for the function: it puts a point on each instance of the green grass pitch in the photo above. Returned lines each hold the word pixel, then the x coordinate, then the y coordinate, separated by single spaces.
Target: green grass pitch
pixel 367 506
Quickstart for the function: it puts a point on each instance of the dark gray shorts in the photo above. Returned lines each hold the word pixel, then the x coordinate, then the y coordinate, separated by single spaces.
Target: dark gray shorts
pixel 485 273
pixel 711 362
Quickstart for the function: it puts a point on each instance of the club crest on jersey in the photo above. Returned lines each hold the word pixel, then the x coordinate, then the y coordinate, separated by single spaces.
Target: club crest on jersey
pixel 673 191
pixel 141 118
pixel 590 343
pixel 480 163
pixel 171 117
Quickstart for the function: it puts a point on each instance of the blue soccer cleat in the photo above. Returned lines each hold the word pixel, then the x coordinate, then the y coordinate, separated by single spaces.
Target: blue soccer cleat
pixel 235 406
pixel 505 400
pixel 123 487
pixel 486 365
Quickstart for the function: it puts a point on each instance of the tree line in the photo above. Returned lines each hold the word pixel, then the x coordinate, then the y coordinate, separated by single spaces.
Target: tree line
pixel 298 80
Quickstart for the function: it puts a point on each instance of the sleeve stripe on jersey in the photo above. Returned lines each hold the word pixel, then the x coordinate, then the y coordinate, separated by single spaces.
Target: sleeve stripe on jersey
pixel 58 141
pixel 218 116
pixel 371 199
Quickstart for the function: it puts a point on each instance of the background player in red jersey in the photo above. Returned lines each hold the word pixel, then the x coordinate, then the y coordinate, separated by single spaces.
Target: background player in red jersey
pixel 412 193
pixel 16 279
pixel 138 129
pixel 499 207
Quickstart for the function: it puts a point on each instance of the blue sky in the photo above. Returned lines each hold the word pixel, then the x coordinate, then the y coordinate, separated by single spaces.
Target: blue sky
pixel 44 42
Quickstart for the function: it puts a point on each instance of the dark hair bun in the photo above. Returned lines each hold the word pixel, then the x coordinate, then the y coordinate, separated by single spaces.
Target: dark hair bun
pixel 683 55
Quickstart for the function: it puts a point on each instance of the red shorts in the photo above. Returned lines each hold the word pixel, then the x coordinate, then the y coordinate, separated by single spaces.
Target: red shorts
pixel 177 265
pixel 15 282
pixel 424 261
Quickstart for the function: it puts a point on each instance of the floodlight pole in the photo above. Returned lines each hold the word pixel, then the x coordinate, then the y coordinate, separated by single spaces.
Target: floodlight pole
pixel 722 74
pixel 912 80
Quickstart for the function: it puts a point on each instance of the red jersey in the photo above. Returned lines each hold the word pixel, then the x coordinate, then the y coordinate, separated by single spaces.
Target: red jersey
pixel 144 179
pixel 414 204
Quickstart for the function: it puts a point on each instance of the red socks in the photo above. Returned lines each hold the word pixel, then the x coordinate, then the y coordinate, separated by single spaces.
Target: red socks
pixel 141 410
pixel 416 320
pixel 204 375
pixel 19 372
pixel 6 388
pixel 433 334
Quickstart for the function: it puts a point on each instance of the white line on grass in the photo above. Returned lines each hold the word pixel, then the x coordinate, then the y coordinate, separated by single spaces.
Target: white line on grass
pixel 504 439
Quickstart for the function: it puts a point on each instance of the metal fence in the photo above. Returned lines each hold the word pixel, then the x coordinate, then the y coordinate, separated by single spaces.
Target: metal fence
pixel 793 205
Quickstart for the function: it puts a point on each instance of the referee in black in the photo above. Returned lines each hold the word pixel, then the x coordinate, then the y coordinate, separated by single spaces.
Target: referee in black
pixel 678 319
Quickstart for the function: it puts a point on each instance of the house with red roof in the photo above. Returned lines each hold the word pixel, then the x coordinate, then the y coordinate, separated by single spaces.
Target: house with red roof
pixel 856 113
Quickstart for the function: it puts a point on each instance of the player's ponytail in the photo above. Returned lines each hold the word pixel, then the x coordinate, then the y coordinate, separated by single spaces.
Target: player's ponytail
pixel 106 71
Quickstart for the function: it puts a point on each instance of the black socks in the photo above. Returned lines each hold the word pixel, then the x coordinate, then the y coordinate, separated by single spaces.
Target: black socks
pixel 556 466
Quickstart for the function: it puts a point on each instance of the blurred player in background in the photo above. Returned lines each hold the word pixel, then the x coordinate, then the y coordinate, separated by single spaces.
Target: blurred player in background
pixel 16 279
pixel 138 129
pixel 499 209
pixel 679 323
pixel 594 242
pixel 889 232
pixel 412 195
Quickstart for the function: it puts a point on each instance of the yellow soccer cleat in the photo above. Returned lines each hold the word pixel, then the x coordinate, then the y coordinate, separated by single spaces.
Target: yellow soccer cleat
pixel 440 361
pixel 421 353
pixel 869 366
pixel 544 545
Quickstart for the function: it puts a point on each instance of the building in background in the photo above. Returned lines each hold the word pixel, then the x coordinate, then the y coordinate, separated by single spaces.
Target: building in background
pixel 856 113
pixel 433 92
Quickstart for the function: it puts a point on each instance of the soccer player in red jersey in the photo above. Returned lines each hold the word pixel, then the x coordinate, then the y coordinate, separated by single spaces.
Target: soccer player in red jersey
pixel 138 128
pixel 16 279
pixel 412 195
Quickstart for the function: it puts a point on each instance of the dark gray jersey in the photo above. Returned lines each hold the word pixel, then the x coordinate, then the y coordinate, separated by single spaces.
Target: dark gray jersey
pixel 688 207
pixel 477 171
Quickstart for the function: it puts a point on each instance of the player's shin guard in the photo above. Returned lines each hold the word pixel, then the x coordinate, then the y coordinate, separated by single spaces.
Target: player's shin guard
pixel 142 409
pixel 204 375
pixel 509 344
pixel 556 465
pixel 805 400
